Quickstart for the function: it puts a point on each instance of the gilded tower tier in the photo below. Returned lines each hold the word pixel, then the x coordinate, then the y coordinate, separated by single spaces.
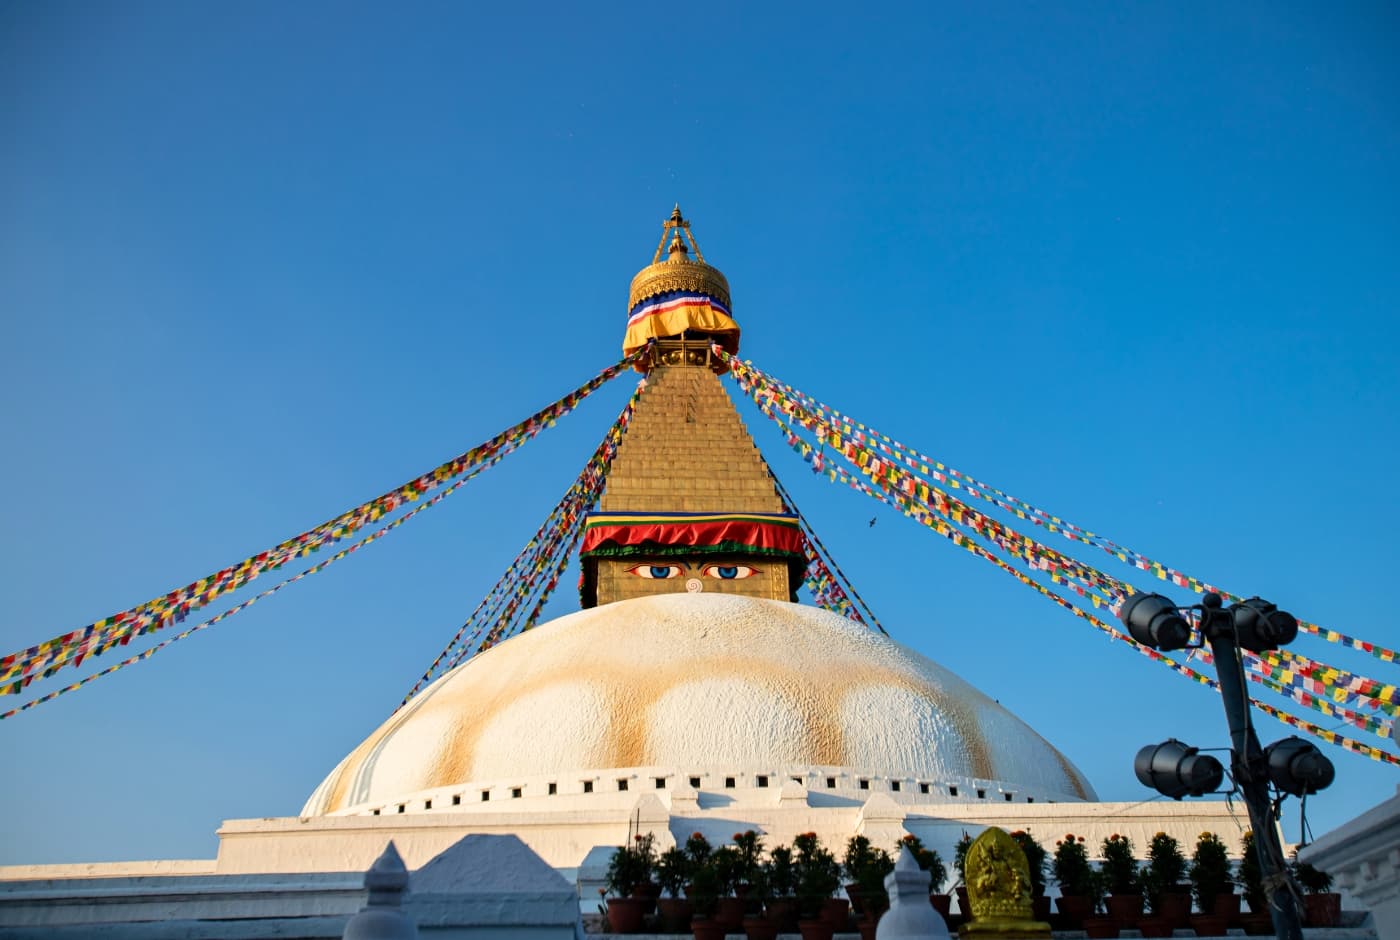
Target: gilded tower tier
pixel 690 504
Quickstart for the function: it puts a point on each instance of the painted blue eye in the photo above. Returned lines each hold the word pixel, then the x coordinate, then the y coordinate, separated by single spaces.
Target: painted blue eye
pixel 730 572
pixel 656 572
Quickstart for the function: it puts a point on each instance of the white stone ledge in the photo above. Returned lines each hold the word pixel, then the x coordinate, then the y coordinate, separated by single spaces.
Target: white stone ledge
pixel 173 866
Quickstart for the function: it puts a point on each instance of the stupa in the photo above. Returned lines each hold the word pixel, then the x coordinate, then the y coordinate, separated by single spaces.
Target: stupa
pixel 692 667
pixel 693 692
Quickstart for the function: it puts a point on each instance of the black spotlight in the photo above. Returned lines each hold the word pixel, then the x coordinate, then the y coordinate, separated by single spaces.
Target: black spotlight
pixel 1262 626
pixel 1298 767
pixel 1154 621
pixel 1173 769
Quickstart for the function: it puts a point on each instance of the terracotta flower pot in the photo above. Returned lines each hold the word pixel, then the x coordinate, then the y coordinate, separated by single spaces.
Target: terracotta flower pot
pixel 837 913
pixel 1155 927
pixel 730 913
pixel 943 904
pixel 760 928
pixel 1227 905
pixel 705 928
pixel 676 913
pixel 857 902
pixel 815 929
pixel 1125 909
pixel 1074 909
pixel 1100 927
pixel 866 926
pixel 1322 910
pixel 783 912
pixel 625 915
pixel 1173 907
pixel 964 906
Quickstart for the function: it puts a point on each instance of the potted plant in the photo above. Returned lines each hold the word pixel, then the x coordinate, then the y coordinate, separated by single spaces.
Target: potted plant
pixel 697 850
pixel 750 848
pixel 758 924
pixel 1121 879
pixel 870 884
pixel 818 877
pixel 931 862
pixel 673 869
pixel 1099 925
pixel 859 852
pixel 728 865
pixel 628 870
pixel 1076 877
pixel 1322 907
pixel 1259 920
pixel 780 874
pixel 1212 881
pixel 960 866
pixel 1036 861
pixel 644 846
pixel 1164 879
pixel 703 894
pixel 866 867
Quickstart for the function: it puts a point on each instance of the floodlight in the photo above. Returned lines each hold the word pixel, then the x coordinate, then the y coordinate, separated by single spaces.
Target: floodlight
pixel 1298 767
pixel 1176 770
pixel 1153 620
pixel 1261 626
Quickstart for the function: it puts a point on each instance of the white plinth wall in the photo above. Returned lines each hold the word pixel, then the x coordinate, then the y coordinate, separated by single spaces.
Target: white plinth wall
pixel 1363 856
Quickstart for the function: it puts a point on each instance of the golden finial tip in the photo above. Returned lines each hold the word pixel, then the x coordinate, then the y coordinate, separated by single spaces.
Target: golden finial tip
pixel 678 251
pixel 683 267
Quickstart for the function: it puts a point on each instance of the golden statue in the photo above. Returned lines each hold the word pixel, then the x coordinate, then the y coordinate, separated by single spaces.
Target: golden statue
pixel 999 889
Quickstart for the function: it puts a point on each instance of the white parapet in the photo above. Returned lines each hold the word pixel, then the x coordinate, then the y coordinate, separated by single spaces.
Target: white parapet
pixel 564 833
pixel 1363 855
pixel 482 886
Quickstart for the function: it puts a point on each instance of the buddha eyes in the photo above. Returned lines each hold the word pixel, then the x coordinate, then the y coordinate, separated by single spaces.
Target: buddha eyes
pixel 729 572
pixel 658 572
pixel 720 572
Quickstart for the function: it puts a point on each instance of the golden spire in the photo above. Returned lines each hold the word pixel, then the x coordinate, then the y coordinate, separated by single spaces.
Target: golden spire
pixel 679 271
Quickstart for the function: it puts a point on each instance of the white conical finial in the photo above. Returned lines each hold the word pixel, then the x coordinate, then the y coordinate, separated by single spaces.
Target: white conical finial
pixel 382 917
pixel 911 916
pixel 907 862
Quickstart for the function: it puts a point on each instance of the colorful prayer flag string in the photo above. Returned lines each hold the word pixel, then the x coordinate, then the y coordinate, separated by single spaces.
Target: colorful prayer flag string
pixel 768 395
pixel 318 567
pixel 71 649
pixel 941 521
pixel 890 477
pixel 548 550
pixel 830 587
pixel 957 479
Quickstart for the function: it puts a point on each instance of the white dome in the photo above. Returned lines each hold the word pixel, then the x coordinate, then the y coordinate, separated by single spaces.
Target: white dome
pixel 694 682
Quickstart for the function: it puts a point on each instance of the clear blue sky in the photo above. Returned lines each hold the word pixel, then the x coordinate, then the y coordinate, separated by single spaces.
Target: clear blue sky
pixel 260 262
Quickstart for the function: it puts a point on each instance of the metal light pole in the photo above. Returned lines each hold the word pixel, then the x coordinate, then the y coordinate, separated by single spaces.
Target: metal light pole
pixel 1291 765
pixel 1250 771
